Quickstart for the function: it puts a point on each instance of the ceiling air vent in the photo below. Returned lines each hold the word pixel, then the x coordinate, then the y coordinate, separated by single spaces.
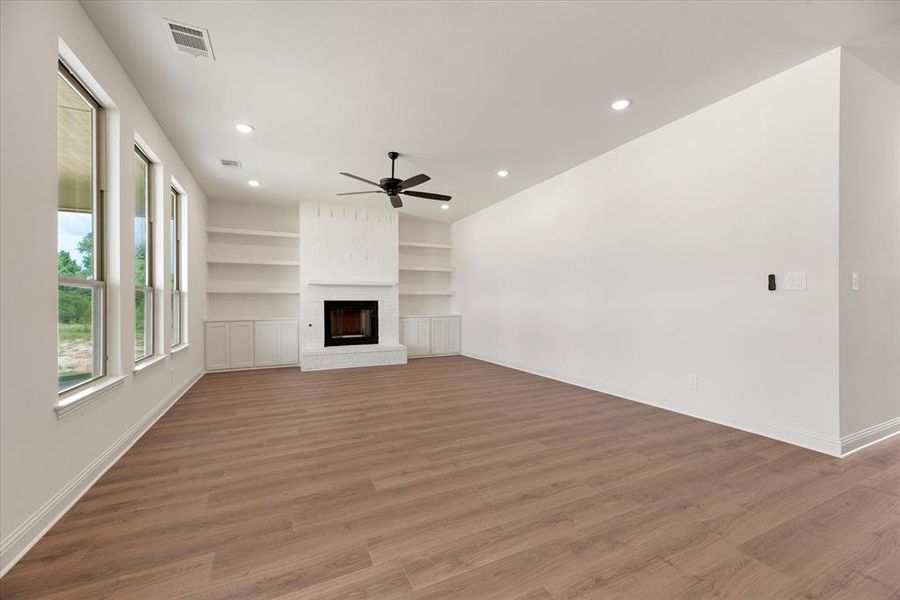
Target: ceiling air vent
pixel 189 39
pixel 231 163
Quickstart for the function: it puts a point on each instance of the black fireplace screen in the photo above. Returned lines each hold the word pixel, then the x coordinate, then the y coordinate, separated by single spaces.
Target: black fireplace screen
pixel 351 322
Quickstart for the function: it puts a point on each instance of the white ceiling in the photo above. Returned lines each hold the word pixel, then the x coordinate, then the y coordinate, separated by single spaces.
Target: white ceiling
pixel 460 89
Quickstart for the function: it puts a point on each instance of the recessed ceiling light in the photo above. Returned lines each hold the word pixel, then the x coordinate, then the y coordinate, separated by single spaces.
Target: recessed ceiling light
pixel 502 173
pixel 244 127
pixel 253 183
pixel 445 207
pixel 620 104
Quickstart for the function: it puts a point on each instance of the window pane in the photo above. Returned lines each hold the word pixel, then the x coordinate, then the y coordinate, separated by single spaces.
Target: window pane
pixel 76 360
pixel 173 237
pixel 143 323
pixel 75 172
pixel 175 323
pixel 140 222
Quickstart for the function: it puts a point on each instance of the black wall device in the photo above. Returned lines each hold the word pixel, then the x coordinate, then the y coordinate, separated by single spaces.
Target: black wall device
pixel 771 282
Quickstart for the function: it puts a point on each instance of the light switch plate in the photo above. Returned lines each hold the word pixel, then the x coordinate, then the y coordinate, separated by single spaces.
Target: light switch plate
pixel 795 280
pixel 854 281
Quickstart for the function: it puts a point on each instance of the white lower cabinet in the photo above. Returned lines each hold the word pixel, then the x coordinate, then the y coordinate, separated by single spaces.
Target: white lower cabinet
pixel 415 334
pixel 240 344
pixel 265 343
pixel 445 335
pixel 217 356
pixel 247 344
pixel 289 343
pixel 431 336
pixel 276 343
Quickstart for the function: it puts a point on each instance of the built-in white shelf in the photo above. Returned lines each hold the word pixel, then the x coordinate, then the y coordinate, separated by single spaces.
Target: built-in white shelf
pixel 222 289
pixel 427 245
pixel 253 261
pixel 255 232
pixel 360 283
pixel 426 292
pixel 426 268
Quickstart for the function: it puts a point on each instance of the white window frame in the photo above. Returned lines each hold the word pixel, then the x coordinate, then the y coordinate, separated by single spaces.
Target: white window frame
pixel 177 312
pixel 147 286
pixel 97 283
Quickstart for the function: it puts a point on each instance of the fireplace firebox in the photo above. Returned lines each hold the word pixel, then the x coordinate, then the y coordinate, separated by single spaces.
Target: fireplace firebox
pixel 350 322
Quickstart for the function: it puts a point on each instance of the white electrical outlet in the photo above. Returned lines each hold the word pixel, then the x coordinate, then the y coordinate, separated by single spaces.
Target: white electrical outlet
pixel 694 382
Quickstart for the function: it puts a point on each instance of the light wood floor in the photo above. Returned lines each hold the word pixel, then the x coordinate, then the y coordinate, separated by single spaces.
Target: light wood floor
pixel 454 478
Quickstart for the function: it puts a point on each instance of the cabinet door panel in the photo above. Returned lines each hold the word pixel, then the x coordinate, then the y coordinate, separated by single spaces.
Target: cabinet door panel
pixel 217 346
pixel 265 343
pixel 445 335
pixel 423 336
pixel 415 334
pixel 289 343
pixel 438 336
pixel 240 334
pixel 454 335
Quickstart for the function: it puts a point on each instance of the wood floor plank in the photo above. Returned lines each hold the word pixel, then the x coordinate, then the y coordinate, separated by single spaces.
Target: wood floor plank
pixel 454 478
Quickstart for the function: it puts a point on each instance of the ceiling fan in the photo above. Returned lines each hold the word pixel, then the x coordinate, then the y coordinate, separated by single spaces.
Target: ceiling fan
pixel 393 187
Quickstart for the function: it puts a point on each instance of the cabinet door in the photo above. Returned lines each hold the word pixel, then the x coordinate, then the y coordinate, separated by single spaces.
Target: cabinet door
pixel 445 335
pixel 438 335
pixel 240 344
pixel 407 333
pixel 265 343
pixel 217 346
pixel 454 335
pixel 289 343
pixel 415 334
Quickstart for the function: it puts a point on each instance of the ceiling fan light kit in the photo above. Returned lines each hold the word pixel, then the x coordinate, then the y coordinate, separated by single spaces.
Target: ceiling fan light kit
pixel 394 187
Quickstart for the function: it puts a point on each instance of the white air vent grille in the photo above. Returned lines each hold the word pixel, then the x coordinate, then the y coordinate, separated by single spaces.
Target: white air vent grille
pixel 189 39
pixel 231 163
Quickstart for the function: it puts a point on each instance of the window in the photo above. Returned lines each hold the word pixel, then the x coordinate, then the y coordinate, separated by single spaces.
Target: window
pixel 144 293
pixel 176 322
pixel 81 355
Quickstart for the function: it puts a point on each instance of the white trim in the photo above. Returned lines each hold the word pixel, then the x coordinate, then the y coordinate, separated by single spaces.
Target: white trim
pixel 776 431
pixel 255 368
pixel 145 364
pixel 72 402
pixel 26 535
pixel 426 245
pixel 255 232
pixel 179 348
pixel 359 283
pixel 868 436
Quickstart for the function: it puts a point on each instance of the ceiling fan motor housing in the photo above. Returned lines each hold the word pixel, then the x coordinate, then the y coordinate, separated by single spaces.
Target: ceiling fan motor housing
pixel 391 183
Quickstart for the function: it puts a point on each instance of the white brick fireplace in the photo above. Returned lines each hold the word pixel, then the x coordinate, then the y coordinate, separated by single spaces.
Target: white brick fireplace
pixel 348 253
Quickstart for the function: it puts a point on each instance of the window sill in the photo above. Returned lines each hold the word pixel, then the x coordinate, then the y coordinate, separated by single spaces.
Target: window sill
pixel 145 364
pixel 180 348
pixel 73 402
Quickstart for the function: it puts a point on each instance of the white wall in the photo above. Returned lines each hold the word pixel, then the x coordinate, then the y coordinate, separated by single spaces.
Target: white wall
pixel 870 246
pixel 46 463
pixel 648 264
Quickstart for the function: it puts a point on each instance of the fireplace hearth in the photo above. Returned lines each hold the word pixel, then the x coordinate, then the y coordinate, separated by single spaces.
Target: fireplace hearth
pixel 351 322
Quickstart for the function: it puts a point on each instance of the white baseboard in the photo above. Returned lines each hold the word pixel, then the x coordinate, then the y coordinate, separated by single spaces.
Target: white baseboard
pixel 26 535
pixel 868 436
pixel 777 431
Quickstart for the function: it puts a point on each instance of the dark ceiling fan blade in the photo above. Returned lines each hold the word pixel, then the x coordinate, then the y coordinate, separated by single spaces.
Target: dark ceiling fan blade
pixel 396 202
pixel 355 193
pixel 414 181
pixel 361 179
pixel 428 195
